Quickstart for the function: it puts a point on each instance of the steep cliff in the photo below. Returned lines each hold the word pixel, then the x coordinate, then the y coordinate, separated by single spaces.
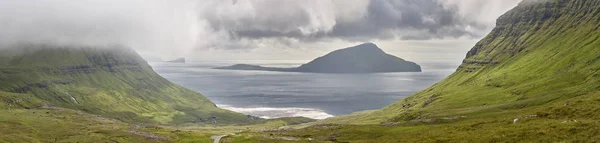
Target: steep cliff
pixel 539 52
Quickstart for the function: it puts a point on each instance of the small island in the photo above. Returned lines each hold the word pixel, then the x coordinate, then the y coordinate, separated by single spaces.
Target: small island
pixel 363 58
pixel 178 60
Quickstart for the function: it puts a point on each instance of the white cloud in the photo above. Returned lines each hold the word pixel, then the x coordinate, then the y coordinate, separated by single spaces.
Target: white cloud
pixel 171 28
pixel 165 27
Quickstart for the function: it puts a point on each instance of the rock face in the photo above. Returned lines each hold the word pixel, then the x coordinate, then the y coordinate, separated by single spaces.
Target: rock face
pixel 178 60
pixel 363 58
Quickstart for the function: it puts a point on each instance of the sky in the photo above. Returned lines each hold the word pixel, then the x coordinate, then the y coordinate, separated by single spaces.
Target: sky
pixel 254 29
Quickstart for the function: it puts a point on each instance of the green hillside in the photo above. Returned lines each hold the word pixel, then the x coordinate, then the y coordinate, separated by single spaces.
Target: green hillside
pixel 53 124
pixel 539 53
pixel 110 81
pixel 534 77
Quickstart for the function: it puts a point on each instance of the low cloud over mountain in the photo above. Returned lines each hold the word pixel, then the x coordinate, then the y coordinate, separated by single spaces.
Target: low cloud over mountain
pixel 177 27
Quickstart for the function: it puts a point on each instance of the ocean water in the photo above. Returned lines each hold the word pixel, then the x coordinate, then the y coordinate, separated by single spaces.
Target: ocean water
pixel 285 94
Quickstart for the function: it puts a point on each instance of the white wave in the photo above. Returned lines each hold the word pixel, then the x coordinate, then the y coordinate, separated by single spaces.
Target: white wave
pixel 272 112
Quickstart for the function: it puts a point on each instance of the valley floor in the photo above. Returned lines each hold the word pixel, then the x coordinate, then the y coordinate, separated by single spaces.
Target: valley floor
pixel 53 124
pixel 571 120
pixel 65 125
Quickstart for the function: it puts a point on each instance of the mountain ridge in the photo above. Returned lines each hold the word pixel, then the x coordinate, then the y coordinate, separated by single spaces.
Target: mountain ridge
pixel 112 81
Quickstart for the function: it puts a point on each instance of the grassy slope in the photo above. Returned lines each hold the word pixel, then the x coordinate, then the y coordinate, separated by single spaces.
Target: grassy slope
pixel 540 64
pixel 112 82
pixel 66 125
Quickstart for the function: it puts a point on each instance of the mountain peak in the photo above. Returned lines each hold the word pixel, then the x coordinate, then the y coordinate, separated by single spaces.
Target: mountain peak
pixel 363 58
pixel 363 49
pixel 366 45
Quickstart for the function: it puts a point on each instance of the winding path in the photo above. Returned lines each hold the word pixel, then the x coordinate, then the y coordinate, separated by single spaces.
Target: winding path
pixel 217 139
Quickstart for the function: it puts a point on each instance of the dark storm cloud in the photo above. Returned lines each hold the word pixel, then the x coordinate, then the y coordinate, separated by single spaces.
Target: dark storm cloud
pixel 428 18
pixel 383 19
